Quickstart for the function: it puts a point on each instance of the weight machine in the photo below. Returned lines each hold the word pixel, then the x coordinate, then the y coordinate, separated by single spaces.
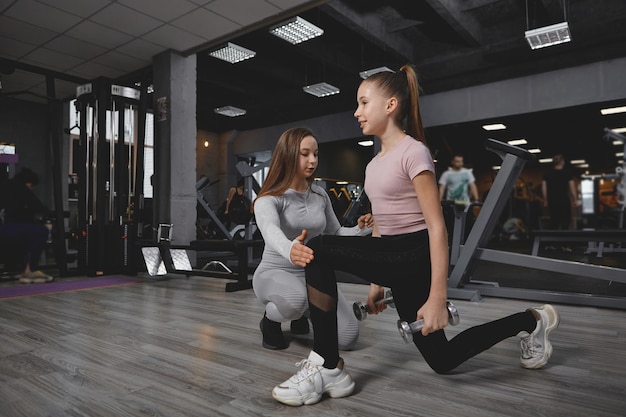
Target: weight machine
pixel 165 258
pixel 466 256
pixel 111 142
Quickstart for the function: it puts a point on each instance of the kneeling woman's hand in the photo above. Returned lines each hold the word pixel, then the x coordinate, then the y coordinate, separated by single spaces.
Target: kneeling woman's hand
pixel 300 254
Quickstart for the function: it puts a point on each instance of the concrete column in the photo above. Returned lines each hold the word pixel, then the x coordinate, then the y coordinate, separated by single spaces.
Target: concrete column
pixel 174 81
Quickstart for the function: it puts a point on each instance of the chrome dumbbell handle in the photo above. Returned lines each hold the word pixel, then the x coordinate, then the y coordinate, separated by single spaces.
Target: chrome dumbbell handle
pixel 361 310
pixel 407 329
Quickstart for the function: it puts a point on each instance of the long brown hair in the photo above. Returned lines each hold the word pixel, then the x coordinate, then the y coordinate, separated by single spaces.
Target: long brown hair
pixel 285 162
pixel 404 87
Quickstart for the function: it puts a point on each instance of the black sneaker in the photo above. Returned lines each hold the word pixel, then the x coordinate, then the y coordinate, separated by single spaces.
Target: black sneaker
pixel 300 326
pixel 273 337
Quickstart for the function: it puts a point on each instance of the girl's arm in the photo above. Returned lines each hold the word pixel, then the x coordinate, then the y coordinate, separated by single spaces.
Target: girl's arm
pixel 434 311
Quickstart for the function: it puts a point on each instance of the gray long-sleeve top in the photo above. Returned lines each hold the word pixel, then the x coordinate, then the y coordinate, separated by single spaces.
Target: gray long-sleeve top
pixel 282 218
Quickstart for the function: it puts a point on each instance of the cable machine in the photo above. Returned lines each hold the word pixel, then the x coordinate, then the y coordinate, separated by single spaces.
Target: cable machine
pixel 109 180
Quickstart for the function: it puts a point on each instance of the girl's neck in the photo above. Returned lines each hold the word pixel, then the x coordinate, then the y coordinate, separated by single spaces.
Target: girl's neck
pixel 299 185
pixel 389 140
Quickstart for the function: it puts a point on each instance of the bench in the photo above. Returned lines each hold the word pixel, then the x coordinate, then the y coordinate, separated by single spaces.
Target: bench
pixel 165 258
pixel 595 238
pixel 238 248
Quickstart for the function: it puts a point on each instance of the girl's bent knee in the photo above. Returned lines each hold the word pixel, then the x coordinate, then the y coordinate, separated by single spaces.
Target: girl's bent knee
pixel 315 242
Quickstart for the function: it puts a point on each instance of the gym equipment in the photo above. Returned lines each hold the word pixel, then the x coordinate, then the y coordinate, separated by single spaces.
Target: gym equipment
pixel 239 243
pixel 201 185
pixel 407 329
pixel 595 239
pixel 165 258
pixel 110 177
pixel 247 231
pixel 460 284
pixel 461 212
pixel 361 310
pixel 358 206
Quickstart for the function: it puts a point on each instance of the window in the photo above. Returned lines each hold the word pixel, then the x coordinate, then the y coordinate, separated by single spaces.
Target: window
pixel 148 157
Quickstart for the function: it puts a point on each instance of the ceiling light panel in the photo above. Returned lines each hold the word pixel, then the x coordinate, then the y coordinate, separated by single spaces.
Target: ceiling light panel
pixel 296 30
pixel 370 72
pixel 548 35
pixel 495 126
pixel 613 110
pixel 517 142
pixel 230 111
pixel 232 53
pixel 321 89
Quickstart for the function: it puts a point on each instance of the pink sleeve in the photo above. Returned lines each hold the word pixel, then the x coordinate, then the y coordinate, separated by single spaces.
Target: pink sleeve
pixel 417 159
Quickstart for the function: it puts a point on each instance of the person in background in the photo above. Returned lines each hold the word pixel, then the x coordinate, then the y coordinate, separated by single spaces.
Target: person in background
pixel 514 229
pixel 458 183
pixel 408 253
pixel 559 193
pixel 23 226
pixel 289 210
pixel 238 209
pixel 559 196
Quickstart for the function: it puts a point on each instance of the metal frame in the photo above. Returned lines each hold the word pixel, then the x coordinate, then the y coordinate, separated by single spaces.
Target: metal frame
pixel 107 200
pixel 460 284
pixel 164 258
pixel 200 185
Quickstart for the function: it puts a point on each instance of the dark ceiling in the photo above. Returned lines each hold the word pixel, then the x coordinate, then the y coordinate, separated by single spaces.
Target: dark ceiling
pixel 452 44
pixel 478 42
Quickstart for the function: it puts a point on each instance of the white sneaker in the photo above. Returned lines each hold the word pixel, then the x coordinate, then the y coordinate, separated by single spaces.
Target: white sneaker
pixel 535 348
pixel 313 380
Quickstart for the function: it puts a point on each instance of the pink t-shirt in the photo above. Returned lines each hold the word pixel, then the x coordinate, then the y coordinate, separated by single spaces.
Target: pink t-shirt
pixel 389 186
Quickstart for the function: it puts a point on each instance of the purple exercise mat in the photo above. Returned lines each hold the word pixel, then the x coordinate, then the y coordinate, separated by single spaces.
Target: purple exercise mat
pixel 19 290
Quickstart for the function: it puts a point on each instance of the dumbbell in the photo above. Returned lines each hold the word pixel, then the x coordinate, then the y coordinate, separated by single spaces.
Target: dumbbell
pixel 362 309
pixel 407 329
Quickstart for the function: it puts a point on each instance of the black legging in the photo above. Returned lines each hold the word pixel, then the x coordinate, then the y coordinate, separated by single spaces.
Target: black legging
pixel 560 215
pixel 402 263
pixel 29 239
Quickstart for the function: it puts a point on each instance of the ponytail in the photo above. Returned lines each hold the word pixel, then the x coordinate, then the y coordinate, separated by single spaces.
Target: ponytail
pixel 412 114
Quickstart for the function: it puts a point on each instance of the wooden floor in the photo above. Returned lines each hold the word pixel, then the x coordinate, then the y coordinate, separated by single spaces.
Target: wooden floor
pixel 184 347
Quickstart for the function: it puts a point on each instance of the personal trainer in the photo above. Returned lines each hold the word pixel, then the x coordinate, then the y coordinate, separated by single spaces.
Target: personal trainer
pixel 287 203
